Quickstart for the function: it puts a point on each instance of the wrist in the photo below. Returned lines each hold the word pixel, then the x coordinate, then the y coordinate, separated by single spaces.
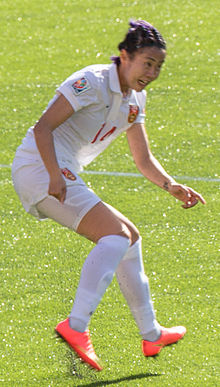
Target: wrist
pixel 55 174
pixel 168 184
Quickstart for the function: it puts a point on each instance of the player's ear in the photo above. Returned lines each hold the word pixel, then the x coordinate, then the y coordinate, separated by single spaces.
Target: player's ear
pixel 124 56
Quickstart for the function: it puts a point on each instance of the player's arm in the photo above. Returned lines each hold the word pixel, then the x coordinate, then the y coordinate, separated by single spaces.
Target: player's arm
pixel 57 113
pixel 150 167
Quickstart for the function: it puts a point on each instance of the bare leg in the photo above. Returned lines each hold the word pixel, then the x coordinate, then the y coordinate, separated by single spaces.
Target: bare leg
pixel 104 220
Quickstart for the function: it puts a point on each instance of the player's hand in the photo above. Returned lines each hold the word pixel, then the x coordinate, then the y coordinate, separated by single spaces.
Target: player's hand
pixel 186 195
pixel 57 188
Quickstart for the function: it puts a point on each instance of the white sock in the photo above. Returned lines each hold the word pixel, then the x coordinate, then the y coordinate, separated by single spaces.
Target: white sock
pixel 134 285
pixel 96 275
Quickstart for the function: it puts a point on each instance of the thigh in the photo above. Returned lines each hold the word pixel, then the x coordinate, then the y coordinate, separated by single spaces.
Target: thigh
pixel 104 220
pixel 85 213
pixel 133 229
pixel 79 200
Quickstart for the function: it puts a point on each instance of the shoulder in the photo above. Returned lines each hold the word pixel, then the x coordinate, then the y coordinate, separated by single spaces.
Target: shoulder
pixel 93 75
pixel 140 97
pixel 85 87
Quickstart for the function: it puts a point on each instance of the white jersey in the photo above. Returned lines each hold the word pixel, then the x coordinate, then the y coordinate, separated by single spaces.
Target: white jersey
pixel 100 115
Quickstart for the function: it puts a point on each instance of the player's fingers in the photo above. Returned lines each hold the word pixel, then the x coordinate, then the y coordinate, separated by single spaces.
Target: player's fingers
pixel 192 197
pixel 190 203
pixel 197 195
pixel 58 195
pixel 63 196
pixel 182 193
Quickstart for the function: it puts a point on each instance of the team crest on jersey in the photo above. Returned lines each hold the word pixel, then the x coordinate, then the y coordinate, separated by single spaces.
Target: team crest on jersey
pixel 133 112
pixel 68 174
pixel 80 86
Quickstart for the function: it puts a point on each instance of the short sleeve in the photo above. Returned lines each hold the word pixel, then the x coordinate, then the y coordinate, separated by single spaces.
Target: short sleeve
pixel 80 90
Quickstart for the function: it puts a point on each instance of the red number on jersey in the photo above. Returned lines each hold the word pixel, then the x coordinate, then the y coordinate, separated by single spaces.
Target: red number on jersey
pixel 111 131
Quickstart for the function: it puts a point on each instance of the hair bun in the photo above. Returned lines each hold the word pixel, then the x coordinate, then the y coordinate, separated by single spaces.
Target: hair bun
pixel 132 23
pixel 142 24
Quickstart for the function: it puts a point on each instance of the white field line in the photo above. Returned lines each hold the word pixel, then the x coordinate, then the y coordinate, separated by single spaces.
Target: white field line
pixel 129 174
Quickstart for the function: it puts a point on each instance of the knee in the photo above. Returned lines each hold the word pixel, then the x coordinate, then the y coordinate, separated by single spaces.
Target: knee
pixel 126 234
pixel 135 236
pixel 130 232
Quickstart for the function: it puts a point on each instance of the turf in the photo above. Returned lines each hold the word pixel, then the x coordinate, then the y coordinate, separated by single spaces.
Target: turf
pixel 41 44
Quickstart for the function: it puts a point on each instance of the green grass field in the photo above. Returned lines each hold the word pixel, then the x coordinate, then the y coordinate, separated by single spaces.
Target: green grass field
pixel 42 42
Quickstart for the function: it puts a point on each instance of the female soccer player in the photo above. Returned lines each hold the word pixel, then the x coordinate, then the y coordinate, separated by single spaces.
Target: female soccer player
pixel 90 109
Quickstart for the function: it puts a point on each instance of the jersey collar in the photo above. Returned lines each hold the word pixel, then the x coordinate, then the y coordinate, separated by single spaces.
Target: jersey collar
pixel 113 79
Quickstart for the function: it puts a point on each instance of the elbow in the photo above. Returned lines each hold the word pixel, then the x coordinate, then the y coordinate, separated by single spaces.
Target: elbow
pixel 40 130
pixel 37 129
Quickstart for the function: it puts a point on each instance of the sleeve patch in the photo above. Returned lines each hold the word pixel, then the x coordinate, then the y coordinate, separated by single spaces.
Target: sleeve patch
pixel 80 86
pixel 133 113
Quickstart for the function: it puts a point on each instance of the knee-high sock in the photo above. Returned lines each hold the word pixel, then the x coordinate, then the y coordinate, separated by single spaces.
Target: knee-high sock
pixel 96 275
pixel 134 285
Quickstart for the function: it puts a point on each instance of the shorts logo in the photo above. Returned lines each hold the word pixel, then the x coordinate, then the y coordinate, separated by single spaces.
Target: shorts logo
pixel 80 86
pixel 68 174
pixel 133 112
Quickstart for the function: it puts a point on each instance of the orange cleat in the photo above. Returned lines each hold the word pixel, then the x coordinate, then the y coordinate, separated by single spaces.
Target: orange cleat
pixel 80 342
pixel 168 336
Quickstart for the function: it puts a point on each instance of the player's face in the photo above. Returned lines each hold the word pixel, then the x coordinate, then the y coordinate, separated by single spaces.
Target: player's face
pixel 138 71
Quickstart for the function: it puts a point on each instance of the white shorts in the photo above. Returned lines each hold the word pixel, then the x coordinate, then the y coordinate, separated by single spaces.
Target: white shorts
pixel 31 181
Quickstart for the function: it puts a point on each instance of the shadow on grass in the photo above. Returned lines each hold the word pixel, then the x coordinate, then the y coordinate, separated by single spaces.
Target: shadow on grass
pixel 124 379
pixel 79 370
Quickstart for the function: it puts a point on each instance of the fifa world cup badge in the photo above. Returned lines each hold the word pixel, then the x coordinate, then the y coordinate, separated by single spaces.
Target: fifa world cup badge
pixel 133 112
pixel 68 174
pixel 80 86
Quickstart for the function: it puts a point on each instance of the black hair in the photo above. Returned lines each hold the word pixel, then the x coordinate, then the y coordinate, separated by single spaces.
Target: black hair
pixel 140 34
